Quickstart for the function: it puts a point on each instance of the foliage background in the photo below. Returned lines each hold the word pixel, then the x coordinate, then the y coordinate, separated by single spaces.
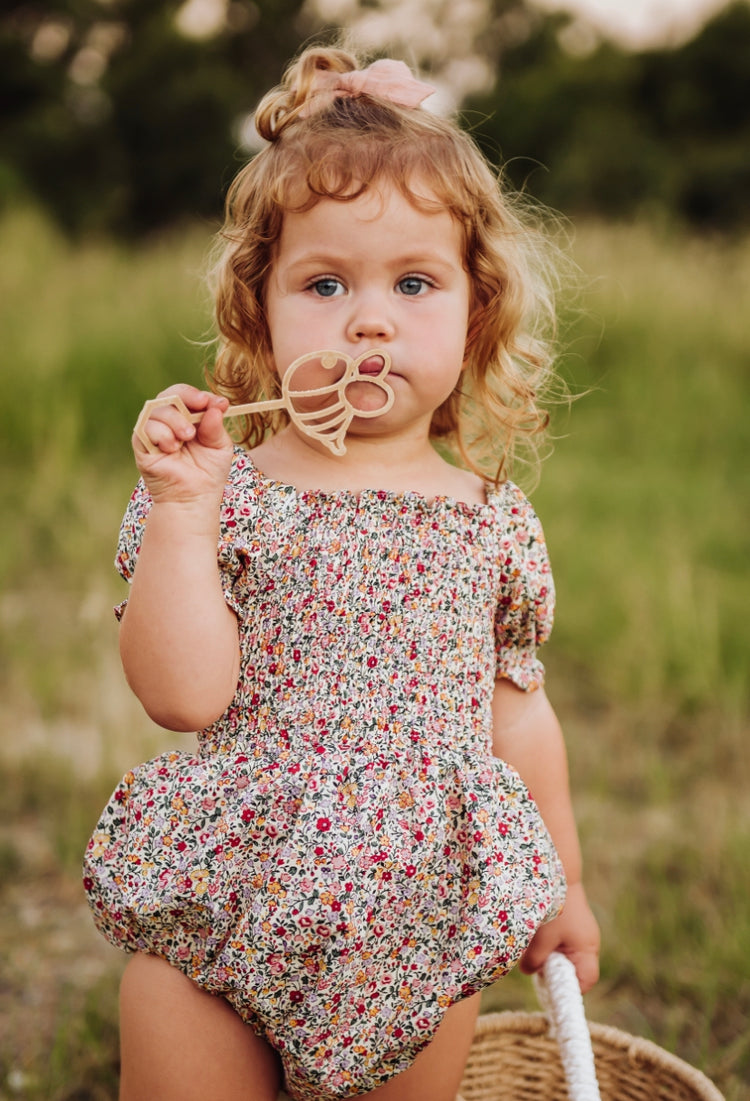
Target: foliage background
pixel 118 134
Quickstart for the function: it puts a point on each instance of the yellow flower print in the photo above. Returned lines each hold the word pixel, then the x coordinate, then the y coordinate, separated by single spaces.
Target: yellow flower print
pixel 348 793
pixel 200 877
pixel 99 843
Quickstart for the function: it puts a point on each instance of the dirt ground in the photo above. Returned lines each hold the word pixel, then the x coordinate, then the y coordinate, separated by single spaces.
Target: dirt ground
pixel 51 959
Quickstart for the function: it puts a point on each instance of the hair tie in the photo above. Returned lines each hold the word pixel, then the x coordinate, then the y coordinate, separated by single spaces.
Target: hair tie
pixel 386 79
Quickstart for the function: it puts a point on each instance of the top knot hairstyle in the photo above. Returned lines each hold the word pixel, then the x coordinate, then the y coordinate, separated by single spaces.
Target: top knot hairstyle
pixel 329 142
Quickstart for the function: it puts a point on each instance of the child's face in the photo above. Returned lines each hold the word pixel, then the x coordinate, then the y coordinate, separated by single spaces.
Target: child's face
pixel 375 273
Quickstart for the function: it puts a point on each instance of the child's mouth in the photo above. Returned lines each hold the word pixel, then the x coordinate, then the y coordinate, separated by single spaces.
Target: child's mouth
pixel 373 365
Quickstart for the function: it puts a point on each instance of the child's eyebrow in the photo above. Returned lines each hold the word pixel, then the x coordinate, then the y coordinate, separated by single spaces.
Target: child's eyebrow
pixel 332 259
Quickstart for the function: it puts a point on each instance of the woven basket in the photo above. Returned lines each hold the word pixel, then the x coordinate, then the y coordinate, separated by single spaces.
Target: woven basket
pixel 559 1056
pixel 514 1058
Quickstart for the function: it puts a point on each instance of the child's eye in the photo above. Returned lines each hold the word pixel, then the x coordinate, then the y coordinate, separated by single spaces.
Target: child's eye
pixel 413 284
pixel 327 287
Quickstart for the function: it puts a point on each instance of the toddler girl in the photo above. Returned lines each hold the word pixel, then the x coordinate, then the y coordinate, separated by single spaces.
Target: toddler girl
pixel 315 897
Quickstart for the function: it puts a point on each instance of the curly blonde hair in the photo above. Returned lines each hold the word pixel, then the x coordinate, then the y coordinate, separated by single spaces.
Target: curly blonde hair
pixel 340 150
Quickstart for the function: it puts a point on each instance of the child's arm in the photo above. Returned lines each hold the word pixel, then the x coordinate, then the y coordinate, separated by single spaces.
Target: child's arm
pixel 179 639
pixel 528 736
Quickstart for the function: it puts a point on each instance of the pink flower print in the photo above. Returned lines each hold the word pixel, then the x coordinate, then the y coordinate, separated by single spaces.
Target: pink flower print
pixel 276 963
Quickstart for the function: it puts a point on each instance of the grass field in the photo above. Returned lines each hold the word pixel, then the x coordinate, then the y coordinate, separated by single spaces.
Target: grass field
pixel 645 505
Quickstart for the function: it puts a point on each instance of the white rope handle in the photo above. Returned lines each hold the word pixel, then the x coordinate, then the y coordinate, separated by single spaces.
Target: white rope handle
pixel 560 997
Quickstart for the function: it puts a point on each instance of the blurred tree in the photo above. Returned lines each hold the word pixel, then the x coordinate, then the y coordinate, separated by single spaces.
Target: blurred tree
pixel 122 115
pixel 611 132
pixel 697 101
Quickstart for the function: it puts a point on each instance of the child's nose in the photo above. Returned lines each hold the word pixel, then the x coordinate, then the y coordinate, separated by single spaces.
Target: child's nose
pixel 370 320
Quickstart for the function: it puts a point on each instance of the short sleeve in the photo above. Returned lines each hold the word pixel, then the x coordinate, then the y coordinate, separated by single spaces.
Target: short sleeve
pixel 131 535
pixel 232 552
pixel 526 600
pixel 239 521
pixel 234 558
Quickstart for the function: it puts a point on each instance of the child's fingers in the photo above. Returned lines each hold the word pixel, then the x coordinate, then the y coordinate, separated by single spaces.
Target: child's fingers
pixel 587 968
pixel 210 431
pixel 166 423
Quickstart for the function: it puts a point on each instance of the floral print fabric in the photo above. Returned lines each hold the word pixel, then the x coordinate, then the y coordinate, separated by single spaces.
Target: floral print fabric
pixel 342 857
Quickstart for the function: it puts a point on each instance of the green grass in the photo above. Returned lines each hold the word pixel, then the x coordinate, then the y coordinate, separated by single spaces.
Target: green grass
pixel 644 502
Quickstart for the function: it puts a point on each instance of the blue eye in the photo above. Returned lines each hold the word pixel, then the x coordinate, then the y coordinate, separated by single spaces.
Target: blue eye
pixel 412 285
pixel 327 288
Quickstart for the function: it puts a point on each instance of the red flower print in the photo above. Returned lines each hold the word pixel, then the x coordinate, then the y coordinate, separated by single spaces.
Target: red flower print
pixel 323 825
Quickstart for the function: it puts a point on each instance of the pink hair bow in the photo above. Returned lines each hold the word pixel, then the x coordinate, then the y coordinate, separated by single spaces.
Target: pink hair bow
pixel 386 79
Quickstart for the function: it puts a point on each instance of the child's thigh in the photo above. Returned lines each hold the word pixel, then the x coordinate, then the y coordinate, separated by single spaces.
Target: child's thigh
pixel 180 1043
pixel 436 1073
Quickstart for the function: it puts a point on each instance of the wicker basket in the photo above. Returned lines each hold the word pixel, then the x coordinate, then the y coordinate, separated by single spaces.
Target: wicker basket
pixel 558 1056
pixel 514 1058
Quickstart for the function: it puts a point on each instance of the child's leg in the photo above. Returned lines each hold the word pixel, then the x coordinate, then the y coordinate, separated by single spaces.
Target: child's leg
pixel 436 1073
pixel 179 1043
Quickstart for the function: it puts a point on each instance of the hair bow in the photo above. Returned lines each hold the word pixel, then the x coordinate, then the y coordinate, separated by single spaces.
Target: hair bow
pixel 386 79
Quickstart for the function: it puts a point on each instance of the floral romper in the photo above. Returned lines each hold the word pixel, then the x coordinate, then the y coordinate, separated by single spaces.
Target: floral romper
pixel 342 858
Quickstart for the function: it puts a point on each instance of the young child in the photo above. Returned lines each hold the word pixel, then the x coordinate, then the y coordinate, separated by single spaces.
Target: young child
pixel 316 897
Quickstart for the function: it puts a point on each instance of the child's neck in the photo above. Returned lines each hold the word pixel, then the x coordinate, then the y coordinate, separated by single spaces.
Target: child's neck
pixel 369 463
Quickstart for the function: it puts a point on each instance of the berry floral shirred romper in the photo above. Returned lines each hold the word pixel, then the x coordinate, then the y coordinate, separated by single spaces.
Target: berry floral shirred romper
pixel 343 858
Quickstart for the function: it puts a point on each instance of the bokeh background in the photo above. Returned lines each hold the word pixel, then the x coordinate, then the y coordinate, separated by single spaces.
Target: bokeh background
pixel 121 124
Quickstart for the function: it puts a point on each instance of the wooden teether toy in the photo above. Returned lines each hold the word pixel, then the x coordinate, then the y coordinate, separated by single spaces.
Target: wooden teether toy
pixel 322 412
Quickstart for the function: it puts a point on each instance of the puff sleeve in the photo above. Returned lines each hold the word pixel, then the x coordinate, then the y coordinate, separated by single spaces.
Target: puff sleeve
pixel 526 600
pixel 232 554
pixel 131 535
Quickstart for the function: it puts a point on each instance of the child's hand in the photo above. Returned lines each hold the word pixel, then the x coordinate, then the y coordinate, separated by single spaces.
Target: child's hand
pixel 192 460
pixel 574 933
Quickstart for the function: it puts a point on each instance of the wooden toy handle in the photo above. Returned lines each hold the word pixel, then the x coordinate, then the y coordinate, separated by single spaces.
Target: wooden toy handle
pixel 328 425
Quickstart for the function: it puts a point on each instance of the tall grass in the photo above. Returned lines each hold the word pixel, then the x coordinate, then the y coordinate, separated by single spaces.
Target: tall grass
pixel 644 502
